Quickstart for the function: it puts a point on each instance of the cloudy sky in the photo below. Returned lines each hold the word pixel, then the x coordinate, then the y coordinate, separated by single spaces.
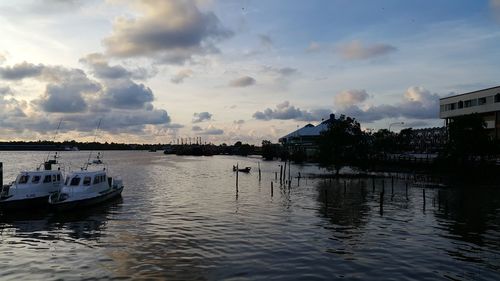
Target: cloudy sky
pixel 229 70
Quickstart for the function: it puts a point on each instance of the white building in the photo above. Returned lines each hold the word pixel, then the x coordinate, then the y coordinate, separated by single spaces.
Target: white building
pixel 306 138
pixel 485 102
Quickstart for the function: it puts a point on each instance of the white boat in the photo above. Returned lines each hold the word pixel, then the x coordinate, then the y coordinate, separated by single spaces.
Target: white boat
pixel 31 189
pixel 87 187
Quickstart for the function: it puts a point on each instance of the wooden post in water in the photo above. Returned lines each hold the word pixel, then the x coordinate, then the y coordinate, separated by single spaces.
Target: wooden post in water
pixel 392 182
pixel 259 171
pixel 1 175
pixel 275 176
pixel 381 203
pixel 383 185
pixel 281 173
pixel 289 171
pixel 284 173
pixel 423 196
pixel 237 176
pixel 345 187
pixel 271 189
pixel 373 184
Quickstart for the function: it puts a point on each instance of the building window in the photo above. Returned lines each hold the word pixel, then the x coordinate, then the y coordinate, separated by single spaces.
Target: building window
pixel 452 106
pixel 460 104
pixel 497 97
pixel 481 101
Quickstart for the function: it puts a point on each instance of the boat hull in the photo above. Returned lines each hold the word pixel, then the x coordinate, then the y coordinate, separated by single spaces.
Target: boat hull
pixel 25 204
pixel 66 205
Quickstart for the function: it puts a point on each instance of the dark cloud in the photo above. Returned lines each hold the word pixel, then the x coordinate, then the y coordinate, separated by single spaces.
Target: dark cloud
pixel 128 95
pixel 62 98
pixel 202 116
pixel 65 90
pixel 196 129
pixel 21 71
pixel 355 50
pixel 211 131
pixel 265 41
pixel 285 111
pixel 283 71
pixel 171 31
pixel 124 106
pixel 244 81
pixel 5 90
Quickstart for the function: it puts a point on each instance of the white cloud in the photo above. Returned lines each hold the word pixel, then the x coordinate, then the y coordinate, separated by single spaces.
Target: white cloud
pixel 285 111
pixel 181 75
pixel 169 31
pixel 313 47
pixel 355 50
pixel 350 97
pixel 417 103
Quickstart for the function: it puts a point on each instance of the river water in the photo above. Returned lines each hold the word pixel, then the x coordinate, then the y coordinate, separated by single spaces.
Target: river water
pixel 180 218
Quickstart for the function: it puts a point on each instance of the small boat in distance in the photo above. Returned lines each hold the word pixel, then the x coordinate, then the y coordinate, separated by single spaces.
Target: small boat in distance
pixel 31 189
pixel 244 170
pixel 87 187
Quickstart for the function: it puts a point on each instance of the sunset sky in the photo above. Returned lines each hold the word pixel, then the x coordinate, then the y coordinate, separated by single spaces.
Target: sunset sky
pixel 155 71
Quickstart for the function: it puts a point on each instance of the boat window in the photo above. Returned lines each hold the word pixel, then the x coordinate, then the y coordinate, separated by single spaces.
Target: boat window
pixel 58 177
pixel 67 181
pixel 23 179
pixel 35 179
pixel 47 178
pixel 87 180
pixel 53 178
pixel 96 180
pixel 75 181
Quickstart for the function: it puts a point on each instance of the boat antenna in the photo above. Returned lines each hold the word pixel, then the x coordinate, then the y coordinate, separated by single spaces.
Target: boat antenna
pixel 95 137
pixel 55 135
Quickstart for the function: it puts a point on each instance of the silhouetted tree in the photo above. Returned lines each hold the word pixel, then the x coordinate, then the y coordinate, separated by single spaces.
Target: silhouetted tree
pixel 342 144
pixel 467 137
pixel 269 150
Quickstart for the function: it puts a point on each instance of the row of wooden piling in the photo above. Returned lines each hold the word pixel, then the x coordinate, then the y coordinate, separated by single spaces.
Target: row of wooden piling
pixel 284 181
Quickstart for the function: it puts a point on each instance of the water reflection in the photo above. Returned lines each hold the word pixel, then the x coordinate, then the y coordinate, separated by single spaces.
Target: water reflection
pixel 181 218
pixel 86 224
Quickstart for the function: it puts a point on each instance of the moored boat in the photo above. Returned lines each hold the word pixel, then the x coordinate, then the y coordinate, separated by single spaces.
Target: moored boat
pixel 31 189
pixel 243 170
pixel 86 187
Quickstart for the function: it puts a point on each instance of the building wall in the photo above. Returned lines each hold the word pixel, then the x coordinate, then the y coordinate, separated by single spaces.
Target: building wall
pixel 483 101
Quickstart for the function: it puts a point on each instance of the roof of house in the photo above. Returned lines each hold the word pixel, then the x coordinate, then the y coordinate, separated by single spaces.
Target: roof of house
pixel 309 130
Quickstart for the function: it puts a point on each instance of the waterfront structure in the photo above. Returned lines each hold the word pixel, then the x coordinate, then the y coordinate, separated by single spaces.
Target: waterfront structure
pixel 428 140
pixel 485 102
pixel 306 138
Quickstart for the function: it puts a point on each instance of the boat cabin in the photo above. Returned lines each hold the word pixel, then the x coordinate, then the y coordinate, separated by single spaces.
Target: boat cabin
pixel 86 178
pixel 38 177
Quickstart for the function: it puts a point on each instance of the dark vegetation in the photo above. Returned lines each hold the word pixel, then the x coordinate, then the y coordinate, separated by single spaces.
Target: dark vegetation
pixel 469 148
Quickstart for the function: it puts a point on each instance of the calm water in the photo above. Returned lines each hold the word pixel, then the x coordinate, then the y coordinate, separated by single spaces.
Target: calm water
pixel 181 218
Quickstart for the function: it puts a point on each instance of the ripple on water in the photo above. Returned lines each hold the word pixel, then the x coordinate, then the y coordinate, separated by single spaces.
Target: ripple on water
pixel 180 218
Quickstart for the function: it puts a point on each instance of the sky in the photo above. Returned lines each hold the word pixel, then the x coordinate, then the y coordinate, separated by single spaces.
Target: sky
pixel 228 70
